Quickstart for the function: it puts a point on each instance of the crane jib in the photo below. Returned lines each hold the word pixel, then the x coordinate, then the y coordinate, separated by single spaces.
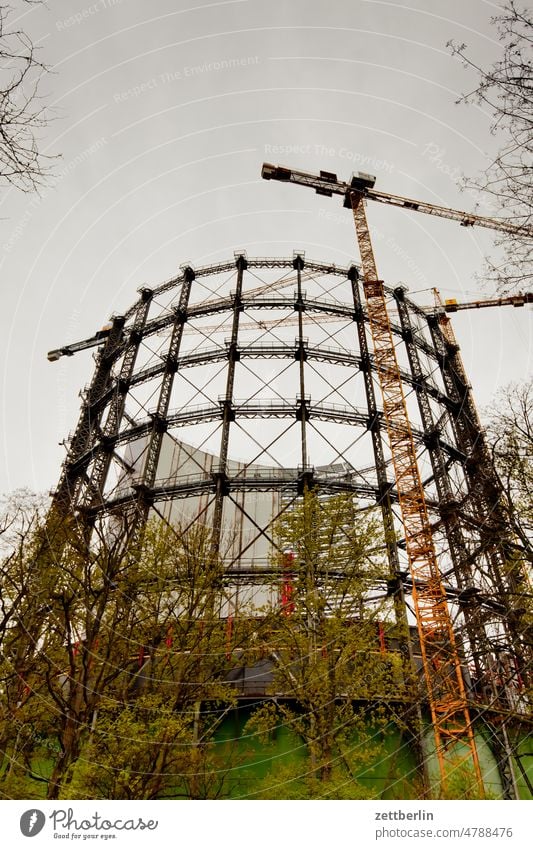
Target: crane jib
pixel 326 183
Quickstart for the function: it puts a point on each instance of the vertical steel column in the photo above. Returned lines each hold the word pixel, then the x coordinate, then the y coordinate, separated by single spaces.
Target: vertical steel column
pixel 84 439
pixel 302 413
pixel 442 665
pixel 98 475
pixel 485 492
pixel 501 747
pixel 159 424
pixel 374 426
pixel 228 413
pixel 384 488
pixel 465 421
pixel 448 506
pixel 306 479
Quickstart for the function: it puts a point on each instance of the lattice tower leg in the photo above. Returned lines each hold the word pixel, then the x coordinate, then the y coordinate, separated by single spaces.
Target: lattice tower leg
pixel 159 425
pixel 442 666
pixel 85 436
pixel 495 541
pixel 475 625
pixel 384 486
pixel 94 494
pixel 228 413
pixel 448 505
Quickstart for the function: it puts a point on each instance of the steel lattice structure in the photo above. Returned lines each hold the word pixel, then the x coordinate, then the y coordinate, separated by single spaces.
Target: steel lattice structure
pixel 225 393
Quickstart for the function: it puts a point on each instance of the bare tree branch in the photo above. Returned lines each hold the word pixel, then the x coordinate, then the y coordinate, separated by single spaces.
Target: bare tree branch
pixel 507 89
pixel 510 435
pixel 22 115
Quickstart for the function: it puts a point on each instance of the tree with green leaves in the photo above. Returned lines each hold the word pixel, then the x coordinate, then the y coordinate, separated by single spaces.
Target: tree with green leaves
pixel 147 748
pixel 332 677
pixel 129 627
pixel 24 595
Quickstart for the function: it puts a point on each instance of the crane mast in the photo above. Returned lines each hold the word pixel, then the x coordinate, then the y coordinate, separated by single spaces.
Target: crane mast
pixel 447 699
pixel 442 668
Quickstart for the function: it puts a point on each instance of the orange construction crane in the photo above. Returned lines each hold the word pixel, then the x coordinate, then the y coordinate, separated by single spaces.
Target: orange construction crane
pixel 451 305
pixel 447 698
pixel 362 185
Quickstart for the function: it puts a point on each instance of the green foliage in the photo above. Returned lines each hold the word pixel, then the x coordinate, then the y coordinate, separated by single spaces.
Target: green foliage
pixel 356 747
pixel 324 639
pixel 149 750
pixel 104 633
pixel 293 782
pixel 115 659
pixel 462 784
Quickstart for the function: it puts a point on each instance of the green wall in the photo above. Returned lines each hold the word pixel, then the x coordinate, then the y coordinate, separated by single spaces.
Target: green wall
pixel 275 767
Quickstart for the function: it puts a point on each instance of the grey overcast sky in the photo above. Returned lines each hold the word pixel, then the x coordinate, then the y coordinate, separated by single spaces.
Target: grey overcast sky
pixel 163 114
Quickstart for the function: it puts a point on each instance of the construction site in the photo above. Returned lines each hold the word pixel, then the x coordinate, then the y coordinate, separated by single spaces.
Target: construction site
pixel 245 397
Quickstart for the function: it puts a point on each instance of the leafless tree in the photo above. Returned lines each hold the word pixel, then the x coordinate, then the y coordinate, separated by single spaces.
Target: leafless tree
pixel 506 88
pixel 22 115
pixel 510 435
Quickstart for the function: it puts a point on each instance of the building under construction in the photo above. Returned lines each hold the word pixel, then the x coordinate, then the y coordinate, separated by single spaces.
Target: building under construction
pixel 226 394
